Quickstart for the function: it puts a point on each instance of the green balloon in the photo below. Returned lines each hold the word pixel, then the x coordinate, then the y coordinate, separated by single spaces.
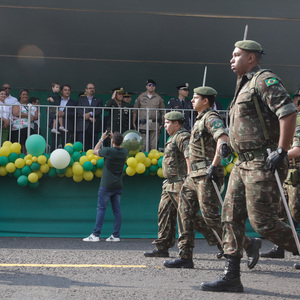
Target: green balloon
pixel 17 173
pixel 159 162
pixel 124 169
pixel 22 155
pixel 76 155
pixel 3 160
pixel 71 162
pixel 52 172
pixel 35 145
pixel 47 155
pixel 100 163
pixel 12 157
pixel 69 149
pixel 26 170
pixel 61 171
pixel 35 166
pixel 77 146
pixel 22 180
pixel 87 166
pixel 147 172
pixel 94 169
pixel 153 168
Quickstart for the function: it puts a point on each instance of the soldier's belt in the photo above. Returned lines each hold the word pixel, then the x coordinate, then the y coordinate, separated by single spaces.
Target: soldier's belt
pixel 175 179
pixel 248 156
pixel 199 165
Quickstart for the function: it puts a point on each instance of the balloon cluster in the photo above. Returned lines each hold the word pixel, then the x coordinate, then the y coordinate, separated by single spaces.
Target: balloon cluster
pixel 145 163
pixel 229 162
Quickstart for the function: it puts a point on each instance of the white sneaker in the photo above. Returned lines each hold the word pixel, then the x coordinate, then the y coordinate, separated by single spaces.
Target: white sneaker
pixel 92 238
pixel 55 131
pixel 62 128
pixel 113 239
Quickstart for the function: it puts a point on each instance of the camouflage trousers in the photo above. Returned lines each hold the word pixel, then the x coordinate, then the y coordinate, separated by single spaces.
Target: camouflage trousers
pixel 292 194
pixel 197 193
pixel 253 192
pixel 167 215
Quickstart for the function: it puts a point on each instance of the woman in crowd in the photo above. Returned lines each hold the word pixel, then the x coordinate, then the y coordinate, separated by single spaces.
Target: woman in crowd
pixel 5 117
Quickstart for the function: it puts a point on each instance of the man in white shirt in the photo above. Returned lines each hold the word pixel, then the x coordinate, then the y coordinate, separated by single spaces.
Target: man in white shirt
pixel 10 99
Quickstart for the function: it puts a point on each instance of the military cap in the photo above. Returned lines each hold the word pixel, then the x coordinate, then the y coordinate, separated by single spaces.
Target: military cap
pixel 249 45
pixel 127 94
pixel 174 116
pixel 119 90
pixel 205 91
pixel 150 81
pixel 183 86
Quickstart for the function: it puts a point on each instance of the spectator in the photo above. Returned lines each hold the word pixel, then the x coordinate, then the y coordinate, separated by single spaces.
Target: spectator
pixel 127 97
pixel 89 111
pixel 66 112
pixel 23 118
pixel 54 99
pixel 118 119
pixel 182 102
pixel 149 99
pixel 10 99
pixel 36 102
pixel 110 186
pixel 5 117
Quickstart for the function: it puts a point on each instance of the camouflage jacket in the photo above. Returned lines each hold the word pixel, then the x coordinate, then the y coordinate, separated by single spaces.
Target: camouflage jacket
pixel 246 132
pixel 176 151
pixel 207 128
pixel 296 142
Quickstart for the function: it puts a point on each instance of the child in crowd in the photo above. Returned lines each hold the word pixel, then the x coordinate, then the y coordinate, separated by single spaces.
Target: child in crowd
pixel 54 98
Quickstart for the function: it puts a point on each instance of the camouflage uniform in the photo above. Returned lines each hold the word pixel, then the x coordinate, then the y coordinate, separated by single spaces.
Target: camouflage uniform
pixel 197 190
pixel 252 190
pixel 175 170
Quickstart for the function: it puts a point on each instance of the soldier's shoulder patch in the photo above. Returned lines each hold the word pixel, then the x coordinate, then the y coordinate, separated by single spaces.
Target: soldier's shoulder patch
pixel 271 81
pixel 216 123
pixel 298 133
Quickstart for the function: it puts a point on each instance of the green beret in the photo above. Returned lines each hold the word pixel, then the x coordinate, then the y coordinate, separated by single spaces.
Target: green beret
pixel 174 116
pixel 249 45
pixel 205 91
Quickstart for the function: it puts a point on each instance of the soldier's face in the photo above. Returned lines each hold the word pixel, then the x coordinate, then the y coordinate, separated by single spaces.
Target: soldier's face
pixel 183 93
pixel 198 102
pixel 240 62
pixel 170 127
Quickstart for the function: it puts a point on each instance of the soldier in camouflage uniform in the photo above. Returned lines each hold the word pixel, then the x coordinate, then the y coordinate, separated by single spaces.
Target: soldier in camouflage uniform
pixel 291 184
pixel 262 116
pixel 175 168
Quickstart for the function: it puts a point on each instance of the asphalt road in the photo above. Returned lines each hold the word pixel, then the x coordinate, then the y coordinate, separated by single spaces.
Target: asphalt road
pixel 66 268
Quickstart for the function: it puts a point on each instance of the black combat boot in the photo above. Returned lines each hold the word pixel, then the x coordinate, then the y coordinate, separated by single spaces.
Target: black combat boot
pixel 275 252
pixel 297 266
pixel 230 281
pixel 220 254
pixel 186 263
pixel 157 253
pixel 253 252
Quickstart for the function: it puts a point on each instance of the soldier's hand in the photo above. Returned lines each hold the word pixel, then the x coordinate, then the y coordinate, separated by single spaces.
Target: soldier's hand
pixel 225 151
pixel 275 158
pixel 211 172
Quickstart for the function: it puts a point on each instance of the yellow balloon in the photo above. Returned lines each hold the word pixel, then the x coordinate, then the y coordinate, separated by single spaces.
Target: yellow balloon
pixel 147 162
pixel 140 157
pixel 235 160
pixel 140 168
pixel 28 162
pixel 76 163
pixel 130 171
pixel 34 159
pixel 154 151
pixel 42 159
pixel 15 147
pixel 44 168
pixel 33 177
pixel 225 172
pixel 69 173
pixel 83 159
pixel 157 155
pixel 98 173
pixel 94 161
pixel 131 162
pixel 7 144
pixel 229 167
pixel 39 173
pixel 20 163
pixel 154 161
pixel 88 175
pixel 151 155
pixel 89 152
pixel 160 173
pixel 77 178
pixel 5 150
pixel 90 157
pixel 10 167
pixel 3 171
pixel 77 170
pixel 49 163
pixel 161 153
pixel 28 156
pixel 69 144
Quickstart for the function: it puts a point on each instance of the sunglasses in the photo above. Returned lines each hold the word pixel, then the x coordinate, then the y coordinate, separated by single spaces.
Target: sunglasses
pixel 151 84
pixel 7 88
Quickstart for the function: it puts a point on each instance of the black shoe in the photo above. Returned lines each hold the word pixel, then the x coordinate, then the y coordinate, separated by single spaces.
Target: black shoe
pixel 253 252
pixel 275 252
pixel 157 253
pixel 297 266
pixel 220 254
pixel 179 263
pixel 230 282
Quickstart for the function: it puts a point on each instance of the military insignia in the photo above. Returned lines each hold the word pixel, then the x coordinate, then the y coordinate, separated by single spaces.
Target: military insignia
pixel 217 124
pixel 298 133
pixel 271 81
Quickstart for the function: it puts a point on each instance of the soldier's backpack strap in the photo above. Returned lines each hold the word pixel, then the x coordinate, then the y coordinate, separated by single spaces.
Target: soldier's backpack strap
pixel 174 144
pixel 254 97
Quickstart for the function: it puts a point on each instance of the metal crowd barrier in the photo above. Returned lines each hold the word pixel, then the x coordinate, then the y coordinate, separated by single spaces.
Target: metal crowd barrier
pixel 107 114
